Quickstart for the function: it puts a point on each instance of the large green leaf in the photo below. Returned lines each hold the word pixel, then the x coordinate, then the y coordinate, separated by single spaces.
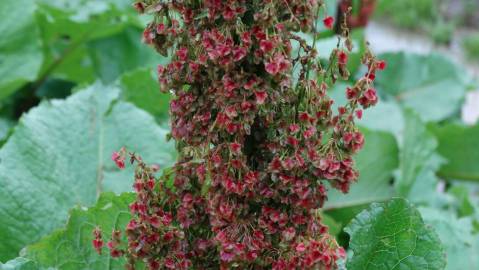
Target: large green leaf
pixel 461 245
pixel 70 248
pixel 141 88
pixel 417 153
pixel 122 52
pixel 20 48
pixel 59 156
pixel 431 85
pixel 392 235
pixel 375 163
pixel 67 26
pixel 375 118
pixel 5 125
pixel 18 264
pixel 460 146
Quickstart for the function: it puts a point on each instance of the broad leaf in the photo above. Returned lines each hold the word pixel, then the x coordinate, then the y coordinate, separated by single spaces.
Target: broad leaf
pixel 5 125
pixel 463 203
pixel 20 48
pixel 59 156
pixel 375 118
pixel 431 85
pixel 392 235
pixel 19 263
pixel 417 153
pixel 67 26
pixel 458 144
pixel 141 88
pixel 120 53
pixel 70 248
pixel 461 245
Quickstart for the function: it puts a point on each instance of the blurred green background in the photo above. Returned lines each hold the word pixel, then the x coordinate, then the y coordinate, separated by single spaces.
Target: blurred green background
pixel 76 83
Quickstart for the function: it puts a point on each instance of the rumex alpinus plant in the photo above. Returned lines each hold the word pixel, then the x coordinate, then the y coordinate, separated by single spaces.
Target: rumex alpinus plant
pixel 256 147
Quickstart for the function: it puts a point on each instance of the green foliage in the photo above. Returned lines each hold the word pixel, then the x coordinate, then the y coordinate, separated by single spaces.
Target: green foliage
pixel 409 13
pixel 460 243
pixel 423 15
pixel 140 87
pixel 59 156
pixel 20 54
pixel 5 125
pixel 417 154
pixel 70 248
pixel 458 144
pixel 123 52
pixel 431 85
pixel 392 235
pixel 77 41
pixel 18 264
pixel 471 46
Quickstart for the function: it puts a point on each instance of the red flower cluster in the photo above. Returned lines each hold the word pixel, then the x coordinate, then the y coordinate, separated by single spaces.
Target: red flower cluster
pixel 258 149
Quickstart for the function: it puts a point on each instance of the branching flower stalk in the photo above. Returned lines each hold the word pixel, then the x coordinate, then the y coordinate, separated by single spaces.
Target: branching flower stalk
pixel 258 148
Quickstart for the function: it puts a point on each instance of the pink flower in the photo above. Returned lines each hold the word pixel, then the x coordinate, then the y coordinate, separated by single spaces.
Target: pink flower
pixel 229 84
pixel 381 65
pixel 347 137
pixel 293 128
pixel 328 22
pixel 148 36
pixel 226 256
pixel 370 94
pixel 169 263
pixel 342 57
pixel 97 244
pixel 350 93
pixel 140 7
pixel 160 28
pixel 182 54
pixel 235 148
pixel 120 164
pixel 303 116
pixel 260 97
pixel 272 68
pixel 359 114
pixel 231 111
pixel 228 13
pixel 239 53
pixel 246 38
pixel 289 234
pixel 194 67
pixel 118 159
pixel 300 247
pixel 266 46
pixel 131 225
pixel 292 141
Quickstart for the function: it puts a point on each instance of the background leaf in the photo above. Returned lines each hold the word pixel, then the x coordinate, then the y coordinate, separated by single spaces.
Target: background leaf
pixel 459 145
pixel 140 87
pixel 71 249
pixel 59 156
pixel 5 125
pixel 461 245
pixel 122 52
pixel 20 48
pixel 19 263
pixel 413 79
pixel 392 235
pixel 417 153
